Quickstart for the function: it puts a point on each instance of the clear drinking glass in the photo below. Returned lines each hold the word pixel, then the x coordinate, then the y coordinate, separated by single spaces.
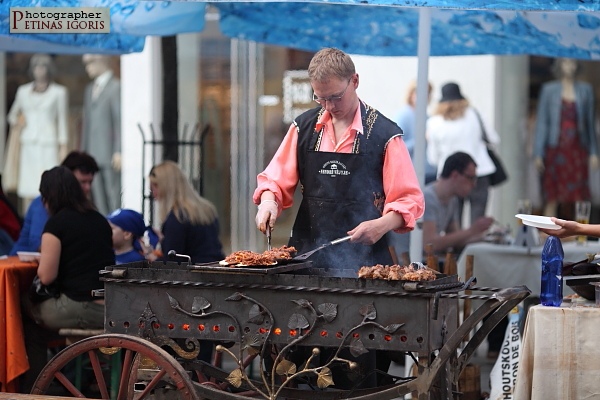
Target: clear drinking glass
pixel 524 206
pixel 583 210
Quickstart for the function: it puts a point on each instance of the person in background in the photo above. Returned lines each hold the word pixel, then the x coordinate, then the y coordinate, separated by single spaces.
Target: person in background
pixel 440 225
pixel 456 126
pixel 190 225
pixel 10 223
pixel 128 229
pixel 572 228
pixel 84 168
pixel 76 245
pixel 406 120
pixel 353 166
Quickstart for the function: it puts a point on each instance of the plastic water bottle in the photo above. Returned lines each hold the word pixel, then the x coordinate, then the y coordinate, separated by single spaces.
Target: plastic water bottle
pixel 552 280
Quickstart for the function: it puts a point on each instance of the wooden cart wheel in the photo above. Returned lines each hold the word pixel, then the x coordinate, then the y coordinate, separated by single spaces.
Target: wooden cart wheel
pixel 145 369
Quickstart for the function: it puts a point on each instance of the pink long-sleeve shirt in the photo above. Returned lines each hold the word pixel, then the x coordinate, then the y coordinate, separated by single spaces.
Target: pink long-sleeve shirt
pixel 400 184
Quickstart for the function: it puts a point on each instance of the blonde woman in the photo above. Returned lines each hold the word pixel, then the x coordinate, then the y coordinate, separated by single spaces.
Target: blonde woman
pixel 406 120
pixel 456 126
pixel 190 223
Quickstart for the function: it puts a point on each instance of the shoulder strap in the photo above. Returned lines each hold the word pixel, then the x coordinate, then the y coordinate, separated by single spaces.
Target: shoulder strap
pixel 483 132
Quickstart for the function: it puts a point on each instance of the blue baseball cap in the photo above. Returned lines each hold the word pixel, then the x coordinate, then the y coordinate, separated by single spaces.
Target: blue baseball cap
pixel 128 220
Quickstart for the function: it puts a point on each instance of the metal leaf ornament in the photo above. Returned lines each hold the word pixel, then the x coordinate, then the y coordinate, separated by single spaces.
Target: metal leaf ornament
pixel 252 344
pixel 324 378
pixel 199 304
pixel 302 303
pixel 235 297
pixel 357 347
pixel 368 311
pixel 235 378
pixel 392 328
pixel 285 367
pixel 328 311
pixel 173 302
pixel 256 315
pixel 298 321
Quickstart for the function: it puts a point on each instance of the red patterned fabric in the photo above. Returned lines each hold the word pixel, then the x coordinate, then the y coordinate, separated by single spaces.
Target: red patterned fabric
pixel 566 174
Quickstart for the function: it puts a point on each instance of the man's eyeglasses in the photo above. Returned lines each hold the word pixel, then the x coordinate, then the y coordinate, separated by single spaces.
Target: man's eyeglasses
pixel 472 178
pixel 332 99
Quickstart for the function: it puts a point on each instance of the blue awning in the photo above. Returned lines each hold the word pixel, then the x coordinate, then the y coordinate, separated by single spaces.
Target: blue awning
pixel 131 21
pixel 554 28
pixel 393 31
pixel 514 5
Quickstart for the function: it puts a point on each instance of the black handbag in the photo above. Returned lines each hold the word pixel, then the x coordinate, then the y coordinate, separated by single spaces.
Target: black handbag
pixel 38 292
pixel 500 175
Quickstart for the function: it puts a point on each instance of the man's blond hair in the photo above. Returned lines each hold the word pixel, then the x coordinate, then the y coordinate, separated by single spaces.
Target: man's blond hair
pixel 330 62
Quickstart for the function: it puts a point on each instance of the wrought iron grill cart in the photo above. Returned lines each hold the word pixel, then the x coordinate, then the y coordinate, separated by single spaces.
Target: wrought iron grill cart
pixel 160 314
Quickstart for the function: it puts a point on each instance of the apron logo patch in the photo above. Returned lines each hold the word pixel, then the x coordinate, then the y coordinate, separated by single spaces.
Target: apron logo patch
pixel 333 169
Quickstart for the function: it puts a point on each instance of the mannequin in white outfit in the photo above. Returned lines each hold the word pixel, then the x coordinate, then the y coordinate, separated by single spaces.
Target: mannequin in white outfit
pixel 43 104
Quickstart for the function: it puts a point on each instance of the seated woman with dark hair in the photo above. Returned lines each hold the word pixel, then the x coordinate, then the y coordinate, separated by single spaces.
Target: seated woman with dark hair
pixel 76 245
pixel 84 168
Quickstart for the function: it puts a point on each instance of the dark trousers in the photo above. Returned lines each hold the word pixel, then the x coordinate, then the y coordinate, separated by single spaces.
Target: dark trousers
pixel 36 343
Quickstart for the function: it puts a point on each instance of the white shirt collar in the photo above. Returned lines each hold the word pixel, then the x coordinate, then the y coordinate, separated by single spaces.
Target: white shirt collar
pixel 103 79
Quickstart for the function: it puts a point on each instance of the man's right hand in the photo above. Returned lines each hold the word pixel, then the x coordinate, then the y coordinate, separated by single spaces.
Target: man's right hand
pixel 266 214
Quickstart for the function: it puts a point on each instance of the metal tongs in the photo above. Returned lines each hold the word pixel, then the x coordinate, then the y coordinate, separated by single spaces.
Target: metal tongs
pixel 304 256
pixel 268 237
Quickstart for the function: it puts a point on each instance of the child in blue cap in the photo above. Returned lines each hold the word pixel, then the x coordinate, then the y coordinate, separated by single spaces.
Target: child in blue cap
pixel 128 229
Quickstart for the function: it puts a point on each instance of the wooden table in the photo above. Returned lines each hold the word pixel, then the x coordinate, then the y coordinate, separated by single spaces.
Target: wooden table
pixel 560 356
pixel 15 278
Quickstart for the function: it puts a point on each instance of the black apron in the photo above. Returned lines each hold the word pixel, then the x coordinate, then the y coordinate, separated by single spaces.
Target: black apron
pixel 340 191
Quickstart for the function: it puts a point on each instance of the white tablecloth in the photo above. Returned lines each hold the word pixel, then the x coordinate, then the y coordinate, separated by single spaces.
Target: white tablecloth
pixel 560 356
pixel 497 265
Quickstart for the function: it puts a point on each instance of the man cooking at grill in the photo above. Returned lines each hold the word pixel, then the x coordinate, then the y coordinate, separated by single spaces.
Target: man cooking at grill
pixel 355 172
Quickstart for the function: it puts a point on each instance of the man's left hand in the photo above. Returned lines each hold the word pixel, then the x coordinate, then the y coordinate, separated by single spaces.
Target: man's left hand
pixel 367 232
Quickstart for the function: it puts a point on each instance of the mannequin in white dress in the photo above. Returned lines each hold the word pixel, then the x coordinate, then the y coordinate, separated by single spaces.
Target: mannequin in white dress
pixel 43 104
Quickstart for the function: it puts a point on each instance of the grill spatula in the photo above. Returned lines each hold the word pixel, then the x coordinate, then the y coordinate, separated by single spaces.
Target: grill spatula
pixel 304 256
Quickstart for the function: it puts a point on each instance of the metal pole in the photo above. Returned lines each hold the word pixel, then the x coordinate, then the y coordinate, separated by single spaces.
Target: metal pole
pixel 423 51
